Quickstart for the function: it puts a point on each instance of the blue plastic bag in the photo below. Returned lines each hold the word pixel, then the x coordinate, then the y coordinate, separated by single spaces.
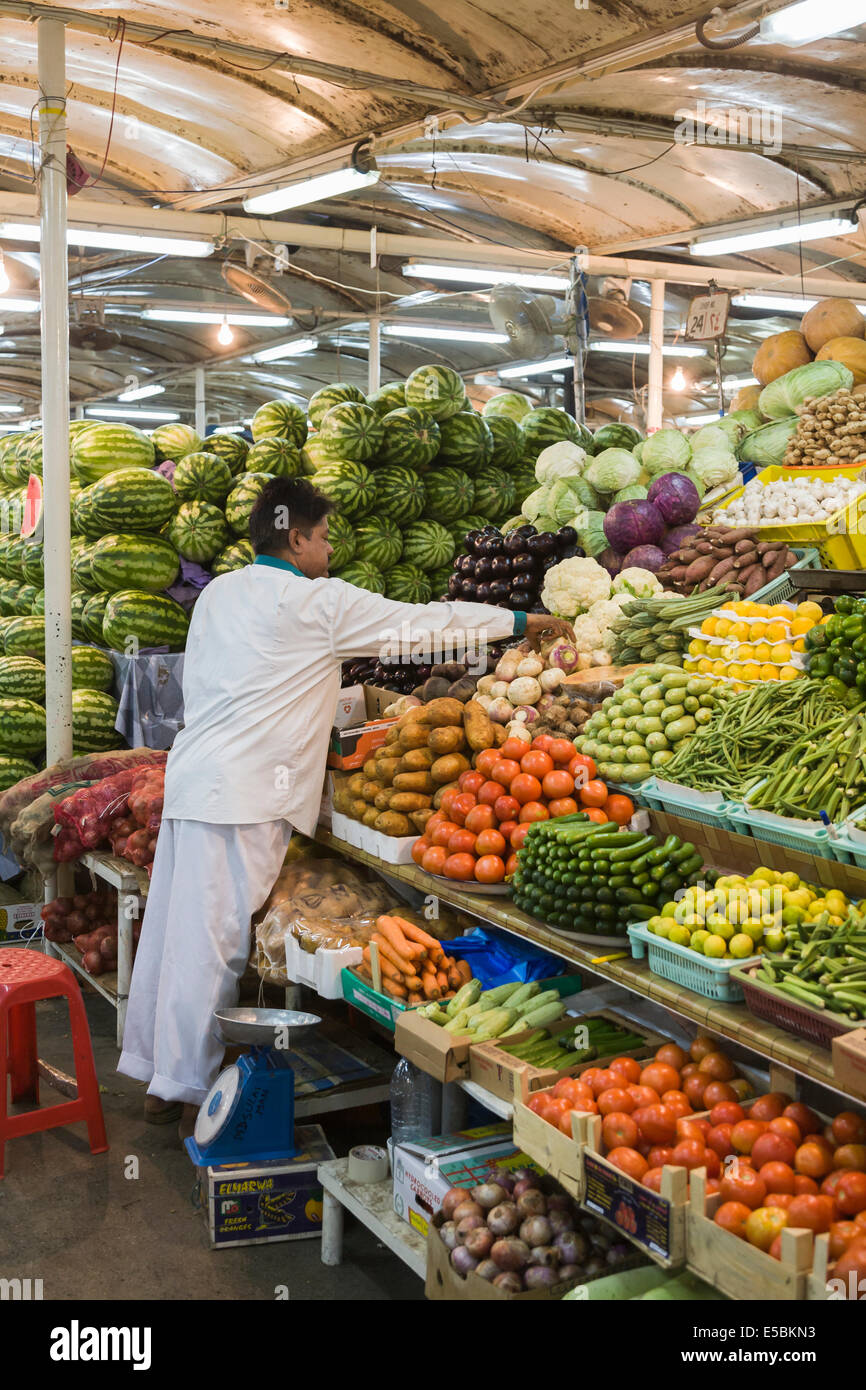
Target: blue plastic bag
pixel 497 958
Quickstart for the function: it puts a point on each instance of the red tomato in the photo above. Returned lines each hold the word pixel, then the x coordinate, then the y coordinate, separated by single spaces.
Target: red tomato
pixel 419 849
pixel 480 818
pixel 694 1087
pixel 505 808
pixel 652 1179
pixel 643 1095
pixel 627 1067
pixel 690 1153
pixel 713 1163
pixel 490 842
pixel 564 1125
pixel 768 1107
pixel 660 1076
pixel 717 1092
pixel 561 750
pixel 778 1177
pixel 505 770
pixel 557 784
pixel 443 832
pixel 742 1184
pixel 656 1123
pixel 490 869
pixel 536 763
pixel 436 819
pixel 434 859
pixel 745 1134
pixel 841 1235
pixel 811 1213
pixel 513 748
pixel 470 781
pixel 573 1089
pixel 774 1148
pixel 619 808
pixel 851 1194
pixel 691 1127
pixel 615 1100
pixel 595 813
pixel 525 788
pixel 852 1262
pixel 490 793
pixel 461 806
pixel 618 1130
pixel 459 866
pixel 563 806
pixel 659 1155
pixel 849 1128
pixel 449 796
pixel 832 1181
pixel 719 1140
pixel 732 1216
pixel 582 769
pixel 486 760
pixel 461 842
pixel 593 793
pixel 778 1199
pixel 629 1161
pixel 850 1156
pixel 787 1127
pixel 805 1186
pixel 805 1119
pixel 533 811
pixel 603 1079
pixel 813 1160
pixel 507 828
pixel 541 742
pixel 765 1226
pixel 726 1113
pixel 518 835
pixel 536 1103
pixel 511 865
pixel 677 1102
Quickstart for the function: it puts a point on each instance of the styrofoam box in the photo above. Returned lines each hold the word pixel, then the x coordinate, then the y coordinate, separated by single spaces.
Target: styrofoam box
pixel 321 969
pixel 391 849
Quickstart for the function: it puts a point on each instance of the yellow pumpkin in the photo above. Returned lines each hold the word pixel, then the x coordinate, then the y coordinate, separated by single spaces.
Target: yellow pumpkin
pixel 832 318
pixel 780 353
pixel 851 352
pixel 746 398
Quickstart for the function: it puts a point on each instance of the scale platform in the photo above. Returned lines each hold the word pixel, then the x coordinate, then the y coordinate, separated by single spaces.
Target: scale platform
pixel 248 1114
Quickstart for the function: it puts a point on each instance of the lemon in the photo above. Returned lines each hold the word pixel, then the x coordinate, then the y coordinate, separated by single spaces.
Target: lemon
pixel 705 667
pixel 680 936
pixel 728 652
pixel 800 645
pixel 735 671
pixel 659 926
pixel 696 648
pixel 777 631
pixel 775 941
pixel 753 928
pixel 789 673
pixel 725 930
pixel 780 610
pixel 715 947
pixel 769 673
pixel 762 651
pixel 708 626
pixel 798 897
pixel 800 626
pixel 810 610
pixel 669 910
pixel 757 631
pixel 818 906
pixel 741 946
pixel 792 915
pixel 720 668
pixel 780 652
pixel 836 901
pixel 723 627
pixel 834 921
pixel 790 880
pixel 716 920
pixel 739 632
pixel 745 651
pixel 689 664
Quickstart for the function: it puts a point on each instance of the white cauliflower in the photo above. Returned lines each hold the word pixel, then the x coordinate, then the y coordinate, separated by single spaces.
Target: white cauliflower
pixel 605 612
pixel 587 634
pixel 637 583
pixel 573 586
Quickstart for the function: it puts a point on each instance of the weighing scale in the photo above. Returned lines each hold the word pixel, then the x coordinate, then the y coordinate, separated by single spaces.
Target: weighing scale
pixel 248 1114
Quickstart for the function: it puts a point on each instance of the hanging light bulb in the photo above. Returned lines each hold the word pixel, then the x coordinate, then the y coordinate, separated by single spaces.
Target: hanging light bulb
pixel 225 335
pixel 4 278
pixel 678 380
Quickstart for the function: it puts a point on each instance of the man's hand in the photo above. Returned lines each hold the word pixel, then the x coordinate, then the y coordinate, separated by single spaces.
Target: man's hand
pixel 541 626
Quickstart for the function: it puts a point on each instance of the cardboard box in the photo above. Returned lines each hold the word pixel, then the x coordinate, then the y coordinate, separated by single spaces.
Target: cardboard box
pixel 381 1007
pixel 443 1281
pixel 19 922
pixel 423 1171
pixel 849 1062
pixel 250 1203
pixel 358 728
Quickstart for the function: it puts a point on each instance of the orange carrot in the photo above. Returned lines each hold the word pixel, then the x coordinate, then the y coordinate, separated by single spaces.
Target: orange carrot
pixel 413 933
pixel 384 965
pixel 390 928
pixel 415 998
pixel 464 970
pixel 406 967
pixel 391 987
pixel 413 982
pixel 455 979
pixel 431 988
pixel 428 968
pixel 441 979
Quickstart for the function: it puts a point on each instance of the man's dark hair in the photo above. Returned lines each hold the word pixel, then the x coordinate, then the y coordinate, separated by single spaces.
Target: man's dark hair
pixel 285 503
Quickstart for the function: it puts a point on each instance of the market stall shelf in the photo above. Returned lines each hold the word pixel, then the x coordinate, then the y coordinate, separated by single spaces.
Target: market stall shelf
pixel 735 1267
pixel 373 1205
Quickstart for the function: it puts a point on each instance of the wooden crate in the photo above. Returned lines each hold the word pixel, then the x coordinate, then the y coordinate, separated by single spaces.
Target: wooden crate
pixel 553 1151
pixel 735 1267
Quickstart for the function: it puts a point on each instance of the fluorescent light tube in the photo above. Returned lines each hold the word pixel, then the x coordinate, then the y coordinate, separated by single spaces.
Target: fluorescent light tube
pixel 642 349
pixel 778 303
pixel 118 413
pixel 553 364
pixel 812 19
pixel 96 240
pixel 774 236
pixel 313 190
pixel 707 419
pixel 19 306
pixel 11 409
pixel 477 275
pixel 448 335
pixel 274 354
pixel 140 392
pixel 196 316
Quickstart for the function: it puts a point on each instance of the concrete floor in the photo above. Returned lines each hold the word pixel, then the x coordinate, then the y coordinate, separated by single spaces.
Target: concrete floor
pixel 75 1221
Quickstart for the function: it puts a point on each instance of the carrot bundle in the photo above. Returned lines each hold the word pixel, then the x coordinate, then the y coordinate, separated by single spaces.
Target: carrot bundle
pixel 413 964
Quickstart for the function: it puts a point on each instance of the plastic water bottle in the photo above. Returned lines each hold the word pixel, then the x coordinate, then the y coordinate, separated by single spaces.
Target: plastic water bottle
pixel 411 1103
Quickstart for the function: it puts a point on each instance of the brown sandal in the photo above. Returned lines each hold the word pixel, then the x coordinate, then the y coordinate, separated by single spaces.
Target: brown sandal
pixel 161 1112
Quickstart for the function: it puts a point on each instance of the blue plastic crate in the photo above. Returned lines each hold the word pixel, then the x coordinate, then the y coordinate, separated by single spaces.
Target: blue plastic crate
pixel 709 808
pixel 848 843
pixel 683 966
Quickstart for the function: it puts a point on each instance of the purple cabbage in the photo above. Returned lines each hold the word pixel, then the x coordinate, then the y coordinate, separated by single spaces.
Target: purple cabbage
pixel 676 497
pixel 611 561
pixel 645 557
pixel 679 535
pixel 630 524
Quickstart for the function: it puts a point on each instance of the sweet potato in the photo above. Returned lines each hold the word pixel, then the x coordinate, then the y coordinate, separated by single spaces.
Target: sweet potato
pixel 449 670
pixel 479 729
pixel 463 690
pixel 449 768
pixel 434 689
pixel 447 739
pixel 699 569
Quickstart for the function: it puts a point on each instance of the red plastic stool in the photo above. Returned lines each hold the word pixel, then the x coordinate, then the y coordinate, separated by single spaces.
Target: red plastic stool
pixel 25 977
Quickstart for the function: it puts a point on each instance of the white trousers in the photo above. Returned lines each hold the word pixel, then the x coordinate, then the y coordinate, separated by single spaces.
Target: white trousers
pixel 208 881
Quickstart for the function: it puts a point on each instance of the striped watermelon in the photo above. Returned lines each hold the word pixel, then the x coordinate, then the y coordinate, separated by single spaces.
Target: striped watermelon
pixel 315 455
pixel 8 594
pixel 198 531
pixel 279 457
pixel 105 448
pixel 136 619
pixel 448 492
pixel 408 584
pixel 22 677
pixel 15 553
pixel 80 599
pixel 399 494
pixel 92 616
pixel 494 493
pixel 321 401
pixel 341 534
pixel 22 727
pixel 243 497
pixel 8 464
pixel 29 459
pixel 6 538
pixel 13 770
pixel 18 453
pixel 24 599
pixel 231 447
pixel 234 557
pixel 76 427
pixel 84 519
pixel 462 526
pixel 438 391
pixel 428 545
pixel 439 581
pixel 349 485
pixel 378 542
pixel 81 574
pixel 353 431
pixel 91 669
pixel 615 436
pixel 507 405
pixel 133 562
pixel 280 420
pixel 524 481
pixel 174 442
pixel 545 425
pixel 467 442
pixel 389 397
pixel 363 576
pixel 93 718
pixel 202 477
pixel 37 607
pixel 12 512
pixel 33 564
pixel 411 438
pixel 25 637
pixel 130 499
pixel 507 442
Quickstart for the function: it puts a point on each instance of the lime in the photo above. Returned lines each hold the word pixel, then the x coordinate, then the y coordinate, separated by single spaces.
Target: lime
pixel 698 939
pixel 753 928
pixel 679 935
pixel 774 941
pixel 741 946
pixel 669 910
pixel 715 947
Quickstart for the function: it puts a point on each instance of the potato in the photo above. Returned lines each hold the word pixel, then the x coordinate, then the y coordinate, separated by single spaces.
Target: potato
pixel 383 798
pixel 414 782
pixel 392 735
pixel 371 790
pixel 342 800
pixel 417 760
pixel 411 716
pixel 420 818
pixel 444 711
pixel 371 815
pixel 440 791
pixel 371 771
pixel 447 739
pixel 387 769
pixel 356 782
pixel 359 809
pixel 413 736
pixel 480 731
pixel 391 823
pixel 500 734
pixel 409 801
pixel 463 690
pixel 449 768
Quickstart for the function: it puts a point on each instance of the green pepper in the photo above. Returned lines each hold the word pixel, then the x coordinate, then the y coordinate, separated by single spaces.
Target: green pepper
pixel 836 687
pixel 858 646
pixel 845 670
pixel 855 626
pixel 816 638
pixel 844 604
pixel 820 665
pixel 833 625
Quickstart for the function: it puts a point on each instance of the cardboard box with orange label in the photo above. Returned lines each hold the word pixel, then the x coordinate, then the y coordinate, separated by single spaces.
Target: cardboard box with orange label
pixel 359 728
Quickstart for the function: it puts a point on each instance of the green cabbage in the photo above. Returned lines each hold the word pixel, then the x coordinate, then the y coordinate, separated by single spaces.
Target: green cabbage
pixel 766 446
pixel 563 502
pixel 696 479
pixel 715 466
pixel 666 451
pixel 713 438
pixel 782 397
pixel 635 493
pixel 612 470
pixel 749 419
pixel 584 492
pixel 732 427
pixel 638 451
pixel 590 536
pixel 560 460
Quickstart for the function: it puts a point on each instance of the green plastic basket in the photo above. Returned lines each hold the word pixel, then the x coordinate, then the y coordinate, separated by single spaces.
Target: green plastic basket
pixel 806 836
pixel 848 843
pixel 709 808
pixel 712 978
pixel 781 590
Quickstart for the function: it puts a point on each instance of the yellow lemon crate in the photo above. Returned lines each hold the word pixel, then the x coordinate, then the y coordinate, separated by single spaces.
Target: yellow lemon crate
pixel 840 538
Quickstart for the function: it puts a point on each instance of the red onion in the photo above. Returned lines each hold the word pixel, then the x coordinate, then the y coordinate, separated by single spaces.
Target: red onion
pixel 489 1195
pixel 466 1208
pixel 503 1176
pixel 510 1253
pixel 453 1197
pixel 560 1221
pixel 523 1174
pixel 467 1224
pixel 504 1219
pixel 479 1242
pixel 559 1201
pixel 489 1270
pixel 462 1260
pixel 535 1230
pixel 545 1255
pixel 448 1232
pixel 510 1281
pixel 532 1203
pixel 572 1246
pixel 540 1277
pixel 569 1272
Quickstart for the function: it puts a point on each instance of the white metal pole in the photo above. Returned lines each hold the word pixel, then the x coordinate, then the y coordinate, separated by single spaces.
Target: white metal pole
pixel 373 355
pixel 200 411
pixel 54 323
pixel 657 337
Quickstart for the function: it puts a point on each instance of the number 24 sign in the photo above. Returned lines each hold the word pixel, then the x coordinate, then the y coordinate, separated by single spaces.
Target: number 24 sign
pixel 708 316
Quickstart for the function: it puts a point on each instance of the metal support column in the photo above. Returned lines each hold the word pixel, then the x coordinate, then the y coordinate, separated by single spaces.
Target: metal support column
pixel 373 357
pixel 654 411
pixel 200 411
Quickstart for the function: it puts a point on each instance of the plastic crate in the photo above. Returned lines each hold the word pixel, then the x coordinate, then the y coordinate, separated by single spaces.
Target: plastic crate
pixel 709 808
pixel 781 590
pixel 803 835
pixel 840 538
pixel 814 1025
pixel 712 978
